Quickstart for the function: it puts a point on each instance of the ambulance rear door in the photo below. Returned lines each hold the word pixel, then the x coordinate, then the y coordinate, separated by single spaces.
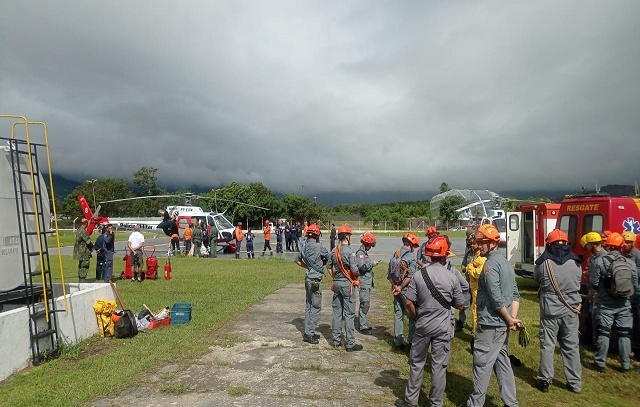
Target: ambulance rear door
pixel 514 232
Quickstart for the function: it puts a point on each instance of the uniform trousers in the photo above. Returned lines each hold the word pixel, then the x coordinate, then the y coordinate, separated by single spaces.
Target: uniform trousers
pixel 607 317
pixel 100 260
pixel 440 356
pixel 83 269
pixel 490 353
pixel 565 330
pixel 312 306
pixel 344 306
pixel 399 309
pixel 107 271
pixel 366 281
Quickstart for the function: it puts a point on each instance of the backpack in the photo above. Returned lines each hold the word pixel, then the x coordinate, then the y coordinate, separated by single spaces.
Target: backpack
pixel 397 268
pixel 619 278
pixel 126 326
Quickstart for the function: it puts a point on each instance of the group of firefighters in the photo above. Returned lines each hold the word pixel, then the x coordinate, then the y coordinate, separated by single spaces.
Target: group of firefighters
pixel 428 289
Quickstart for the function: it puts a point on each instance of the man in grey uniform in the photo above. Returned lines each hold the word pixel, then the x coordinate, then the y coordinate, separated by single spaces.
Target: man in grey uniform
pixel 558 271
pixel 399 285
pixel 611 310
pixel 630 252
pixel 497 308
pixel 313 257
pixel 344 270
pixel 365 268
pixel 434 323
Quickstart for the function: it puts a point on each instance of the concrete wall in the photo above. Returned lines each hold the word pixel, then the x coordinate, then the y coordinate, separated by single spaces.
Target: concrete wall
pixel 78 324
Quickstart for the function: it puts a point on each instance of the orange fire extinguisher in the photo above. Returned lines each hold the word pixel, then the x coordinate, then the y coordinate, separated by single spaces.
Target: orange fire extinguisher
pixel 167 269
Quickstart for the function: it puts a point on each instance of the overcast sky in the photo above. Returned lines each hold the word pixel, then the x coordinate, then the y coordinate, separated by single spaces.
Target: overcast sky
pixel 332 95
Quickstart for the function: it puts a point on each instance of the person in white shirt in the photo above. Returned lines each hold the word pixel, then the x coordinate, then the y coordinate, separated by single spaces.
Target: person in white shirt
pixel 135 245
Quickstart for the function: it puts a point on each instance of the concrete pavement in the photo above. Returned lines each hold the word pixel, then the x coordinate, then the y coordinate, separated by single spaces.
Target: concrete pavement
pixel 267 363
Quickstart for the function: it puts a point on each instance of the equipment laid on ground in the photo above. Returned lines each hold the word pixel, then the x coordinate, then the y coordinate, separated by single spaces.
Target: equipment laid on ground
pixel 181 313
pixel 167 269
pixel 125 326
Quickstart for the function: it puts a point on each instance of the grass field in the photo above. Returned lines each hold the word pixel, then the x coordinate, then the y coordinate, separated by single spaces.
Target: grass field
pixel 221 290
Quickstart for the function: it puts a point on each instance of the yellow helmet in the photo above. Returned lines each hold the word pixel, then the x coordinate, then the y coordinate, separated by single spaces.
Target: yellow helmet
pixel 629 236
pixel 592 237
pixel 583 241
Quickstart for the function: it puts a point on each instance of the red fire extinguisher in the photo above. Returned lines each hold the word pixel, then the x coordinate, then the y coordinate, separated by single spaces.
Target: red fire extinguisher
pixel 167 269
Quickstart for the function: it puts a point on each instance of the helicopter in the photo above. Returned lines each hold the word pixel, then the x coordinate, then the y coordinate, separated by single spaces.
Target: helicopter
pixel 175 217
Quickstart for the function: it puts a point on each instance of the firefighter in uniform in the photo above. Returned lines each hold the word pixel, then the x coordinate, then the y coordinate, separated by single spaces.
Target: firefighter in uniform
pixel 434 323
pixel 630 252
pixel 365 267
pixel 559 273
pixel 82 250
pixel 409 243
pixel 343 268
pixel 312 257
pixel 497 307
pixel 611 310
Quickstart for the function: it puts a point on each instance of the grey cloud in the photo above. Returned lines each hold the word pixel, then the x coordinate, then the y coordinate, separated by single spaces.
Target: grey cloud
pixel 358 96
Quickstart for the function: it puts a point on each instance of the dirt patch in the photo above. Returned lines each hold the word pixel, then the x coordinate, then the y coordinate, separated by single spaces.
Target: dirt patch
pixel 260 360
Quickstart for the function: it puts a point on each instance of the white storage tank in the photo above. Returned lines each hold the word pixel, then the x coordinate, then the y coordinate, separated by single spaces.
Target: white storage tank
pixel 11 271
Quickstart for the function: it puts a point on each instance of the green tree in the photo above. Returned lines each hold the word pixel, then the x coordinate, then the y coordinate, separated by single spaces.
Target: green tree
pixel 448 208
pixel 444 187
pixel 106 189
pixel 298 208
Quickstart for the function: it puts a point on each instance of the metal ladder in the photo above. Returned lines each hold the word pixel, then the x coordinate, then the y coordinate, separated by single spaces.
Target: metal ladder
pixel 30 199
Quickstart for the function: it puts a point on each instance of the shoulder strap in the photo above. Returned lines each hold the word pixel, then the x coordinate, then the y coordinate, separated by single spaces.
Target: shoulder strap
pixel 345 272
pixel 556 287
pixel 403 266
pixel 434 291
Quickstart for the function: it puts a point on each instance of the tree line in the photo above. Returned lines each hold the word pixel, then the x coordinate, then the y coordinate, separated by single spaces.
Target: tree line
pixel 231 197
pixel 228 199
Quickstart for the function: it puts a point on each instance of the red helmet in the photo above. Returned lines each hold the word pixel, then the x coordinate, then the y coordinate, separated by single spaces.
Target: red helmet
pixel 368 238
pixel 344 229
pixel 437 247
pixel 488 232
pixel 557 235
pixel 615 239
pixel 415 242
pixel 313 230
pixel 431 231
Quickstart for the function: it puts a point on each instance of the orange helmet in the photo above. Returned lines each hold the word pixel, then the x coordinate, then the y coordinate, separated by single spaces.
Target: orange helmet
pixel 415 242
pixel 629 236
pixel 313 230
pixel 344 229
pixel 557 235
pixel 488 232
pixel 368 238
pixel 438 247
pixel 431 230
pixel 615 239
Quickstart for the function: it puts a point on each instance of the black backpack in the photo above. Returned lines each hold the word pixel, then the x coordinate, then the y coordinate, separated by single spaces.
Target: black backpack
pixel 619 278
pixel 126 326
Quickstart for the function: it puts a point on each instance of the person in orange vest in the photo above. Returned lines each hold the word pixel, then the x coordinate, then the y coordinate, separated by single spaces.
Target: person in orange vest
pixel 267 238
pixel 186 236
pixel 238 236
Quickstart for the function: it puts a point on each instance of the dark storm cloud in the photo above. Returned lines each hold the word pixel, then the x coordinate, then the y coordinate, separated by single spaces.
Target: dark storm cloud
pixel 355 96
